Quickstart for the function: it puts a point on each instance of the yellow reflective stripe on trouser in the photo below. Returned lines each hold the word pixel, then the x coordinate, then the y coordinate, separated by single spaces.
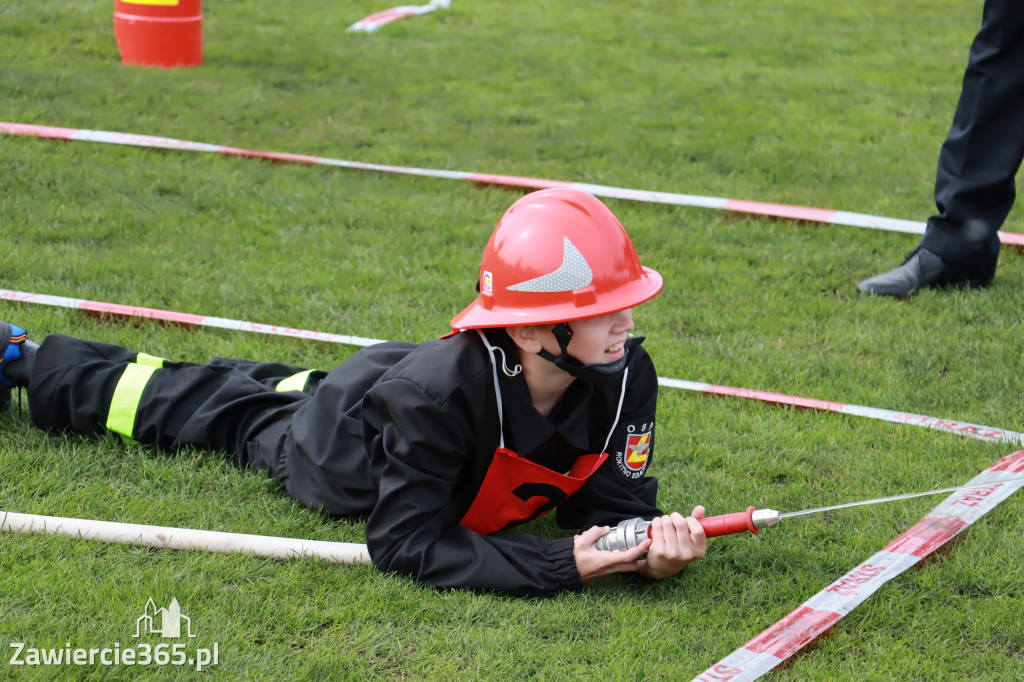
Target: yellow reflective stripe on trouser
pixel 127 394
pixel 295 382
pixel 149 360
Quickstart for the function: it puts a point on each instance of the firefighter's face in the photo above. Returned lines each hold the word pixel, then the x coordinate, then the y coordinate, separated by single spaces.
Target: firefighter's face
pixel 596 340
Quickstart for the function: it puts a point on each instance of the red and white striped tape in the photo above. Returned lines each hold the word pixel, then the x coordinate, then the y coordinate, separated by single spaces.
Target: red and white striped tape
pixel 183 319
pixel 373 22
pixel 986 433
pixel 819 613
pixel 804 213
pixel 978 431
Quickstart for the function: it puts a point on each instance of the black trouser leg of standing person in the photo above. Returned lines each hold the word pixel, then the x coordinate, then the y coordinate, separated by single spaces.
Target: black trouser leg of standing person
pixel 974 185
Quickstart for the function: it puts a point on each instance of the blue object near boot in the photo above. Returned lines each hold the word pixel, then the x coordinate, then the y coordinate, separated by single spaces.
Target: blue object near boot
pixel 11 340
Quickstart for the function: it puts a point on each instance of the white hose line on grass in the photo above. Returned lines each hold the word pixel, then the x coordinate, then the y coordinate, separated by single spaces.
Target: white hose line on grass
pixel 978 431
pixel 819 613
pixel 803 213
pixel 163 537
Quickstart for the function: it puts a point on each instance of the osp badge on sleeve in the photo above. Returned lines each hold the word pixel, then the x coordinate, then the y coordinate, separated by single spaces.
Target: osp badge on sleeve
pixel 633 459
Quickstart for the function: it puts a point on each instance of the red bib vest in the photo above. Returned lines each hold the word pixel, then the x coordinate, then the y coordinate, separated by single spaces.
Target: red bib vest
pixel 516 490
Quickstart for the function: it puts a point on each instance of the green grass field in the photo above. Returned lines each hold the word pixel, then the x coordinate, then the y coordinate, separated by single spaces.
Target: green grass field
pixel 834 105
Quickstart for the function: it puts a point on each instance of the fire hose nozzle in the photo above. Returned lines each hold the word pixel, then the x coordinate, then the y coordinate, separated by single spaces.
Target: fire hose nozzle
pixel 631 532
pixel 626 535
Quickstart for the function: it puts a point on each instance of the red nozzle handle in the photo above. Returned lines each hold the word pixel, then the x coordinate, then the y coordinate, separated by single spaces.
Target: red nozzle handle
pixel 727 524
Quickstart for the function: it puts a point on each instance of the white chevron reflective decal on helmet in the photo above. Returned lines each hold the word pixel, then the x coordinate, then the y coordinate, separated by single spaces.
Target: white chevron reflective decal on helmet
pixel 574 273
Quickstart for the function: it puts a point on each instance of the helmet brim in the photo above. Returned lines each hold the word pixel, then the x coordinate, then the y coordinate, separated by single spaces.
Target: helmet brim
pixel 630 295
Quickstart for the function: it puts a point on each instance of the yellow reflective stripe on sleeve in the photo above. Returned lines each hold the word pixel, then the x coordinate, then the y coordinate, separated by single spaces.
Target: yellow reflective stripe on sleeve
pixel 167 3
pixel 127 394
pixel 295 382
pixel 149 360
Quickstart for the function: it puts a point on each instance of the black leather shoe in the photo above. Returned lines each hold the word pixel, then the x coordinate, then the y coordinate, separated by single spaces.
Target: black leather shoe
pixel 922 269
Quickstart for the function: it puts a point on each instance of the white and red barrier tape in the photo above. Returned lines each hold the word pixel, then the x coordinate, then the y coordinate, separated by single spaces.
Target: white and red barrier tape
pixel 987 433
pixel 819 613
pixel 373 22
pixel 183 319
pixel 804 213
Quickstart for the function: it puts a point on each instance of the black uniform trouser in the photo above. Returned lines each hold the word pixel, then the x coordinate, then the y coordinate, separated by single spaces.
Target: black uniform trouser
pixel 303 438
pixel 974 184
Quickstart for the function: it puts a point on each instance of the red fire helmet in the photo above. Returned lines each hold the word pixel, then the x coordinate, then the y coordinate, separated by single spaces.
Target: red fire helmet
pixel 557 255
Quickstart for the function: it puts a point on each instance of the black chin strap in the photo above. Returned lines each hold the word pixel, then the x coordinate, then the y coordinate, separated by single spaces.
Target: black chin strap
pixel 592 374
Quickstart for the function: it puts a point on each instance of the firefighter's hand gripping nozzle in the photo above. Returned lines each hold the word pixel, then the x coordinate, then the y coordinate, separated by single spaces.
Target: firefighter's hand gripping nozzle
pixel 631 532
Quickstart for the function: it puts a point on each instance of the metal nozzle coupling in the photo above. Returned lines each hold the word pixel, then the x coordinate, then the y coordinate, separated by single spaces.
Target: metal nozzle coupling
pixel 762 518
pixel 626 535
pixel 632 532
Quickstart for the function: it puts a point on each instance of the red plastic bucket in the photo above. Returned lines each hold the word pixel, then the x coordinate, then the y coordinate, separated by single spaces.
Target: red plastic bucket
pixel 166 33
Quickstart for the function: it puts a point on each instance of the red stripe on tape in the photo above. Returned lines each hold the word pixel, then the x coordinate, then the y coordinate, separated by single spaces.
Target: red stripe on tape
pixel 37 131
pixel 925 536
pixel 775 398
pixel 515 181
pixel 817 215
pixel 1012 462
pixel 387 16
pixel 20 296
pixel 793 632
pixel 1011 238
pixel 271 156
pixel 133 311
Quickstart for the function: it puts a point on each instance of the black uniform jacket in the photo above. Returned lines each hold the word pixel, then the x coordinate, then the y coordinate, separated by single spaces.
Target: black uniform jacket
pixel 429 422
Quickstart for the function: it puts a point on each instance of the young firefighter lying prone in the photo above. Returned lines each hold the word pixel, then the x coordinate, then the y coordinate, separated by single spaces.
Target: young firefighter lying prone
pixel 539 399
